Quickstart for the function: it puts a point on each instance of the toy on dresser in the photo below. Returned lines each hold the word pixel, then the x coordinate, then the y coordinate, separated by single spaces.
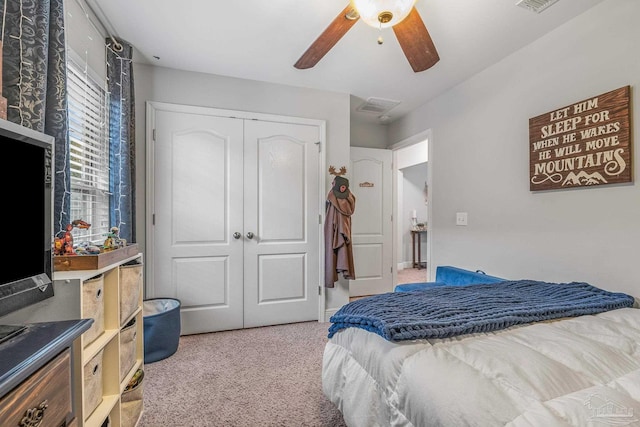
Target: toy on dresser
pixel 63 242
pixel 113 240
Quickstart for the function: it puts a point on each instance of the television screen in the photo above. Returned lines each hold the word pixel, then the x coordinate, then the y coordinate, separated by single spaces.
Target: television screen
pixel 27 234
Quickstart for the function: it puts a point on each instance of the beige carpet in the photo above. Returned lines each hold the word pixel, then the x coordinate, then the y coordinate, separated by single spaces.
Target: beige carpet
pixel 268 376
pixel 412 275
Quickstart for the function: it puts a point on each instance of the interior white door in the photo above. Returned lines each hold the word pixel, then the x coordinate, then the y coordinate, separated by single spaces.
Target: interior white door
pixel 236 208
pixel 198 163
pixel 282 211
pixel 371 230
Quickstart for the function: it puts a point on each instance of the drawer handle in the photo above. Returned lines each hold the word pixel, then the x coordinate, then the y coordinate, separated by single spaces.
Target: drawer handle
pixel 99 294
pixel 34 416
pixel 95 369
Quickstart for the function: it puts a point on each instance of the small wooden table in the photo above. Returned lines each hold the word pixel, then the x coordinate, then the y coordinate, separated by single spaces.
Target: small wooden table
pixel 414 233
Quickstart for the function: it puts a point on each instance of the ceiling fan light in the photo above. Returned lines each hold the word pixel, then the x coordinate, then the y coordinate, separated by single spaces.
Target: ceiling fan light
pixel 370 11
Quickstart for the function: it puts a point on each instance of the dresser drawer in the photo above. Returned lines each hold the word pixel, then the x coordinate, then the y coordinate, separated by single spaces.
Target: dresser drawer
pixel 46 394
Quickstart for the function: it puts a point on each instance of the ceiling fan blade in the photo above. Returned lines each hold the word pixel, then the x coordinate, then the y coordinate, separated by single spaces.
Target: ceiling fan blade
pixel 329 37
pixel 416 42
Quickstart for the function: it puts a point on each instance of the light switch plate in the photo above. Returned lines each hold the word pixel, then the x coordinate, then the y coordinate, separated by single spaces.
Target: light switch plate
pixel 461 218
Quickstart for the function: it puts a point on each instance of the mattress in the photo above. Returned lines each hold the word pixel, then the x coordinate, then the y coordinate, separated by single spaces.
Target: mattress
pixel 577 371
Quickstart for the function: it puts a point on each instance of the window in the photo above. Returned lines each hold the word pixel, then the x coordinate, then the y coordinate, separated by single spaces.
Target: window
pixel 89 152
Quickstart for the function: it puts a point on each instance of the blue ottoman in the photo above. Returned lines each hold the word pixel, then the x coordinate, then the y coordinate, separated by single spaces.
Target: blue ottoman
pixel 447 275
pixel 161 328
pixel 408 287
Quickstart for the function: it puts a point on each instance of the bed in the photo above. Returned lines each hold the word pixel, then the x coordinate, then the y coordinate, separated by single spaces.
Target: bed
pixel 567 368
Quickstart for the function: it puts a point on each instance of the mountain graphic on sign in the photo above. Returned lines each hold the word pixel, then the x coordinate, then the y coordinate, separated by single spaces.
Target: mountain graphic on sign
pixel 583 178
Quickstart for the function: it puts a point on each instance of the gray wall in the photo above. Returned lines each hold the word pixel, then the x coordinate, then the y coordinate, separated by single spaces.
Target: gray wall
pixel 366 130
pixel 367 134
pixel 479 160
pixel 181 87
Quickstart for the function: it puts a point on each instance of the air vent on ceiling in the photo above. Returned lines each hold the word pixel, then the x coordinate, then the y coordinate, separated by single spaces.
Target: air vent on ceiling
pixel 535 5
pixel 377 105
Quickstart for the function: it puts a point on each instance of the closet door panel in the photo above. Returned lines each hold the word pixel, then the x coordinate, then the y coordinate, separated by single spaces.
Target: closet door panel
pixel 192 290
pixel 198 208
pixel 270 270
pixel 281 173
pixel 199 166
pixel 281 210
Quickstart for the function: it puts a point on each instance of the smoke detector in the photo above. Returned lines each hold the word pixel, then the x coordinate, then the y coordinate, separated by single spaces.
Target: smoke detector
pixel 377 105
pixel 535 5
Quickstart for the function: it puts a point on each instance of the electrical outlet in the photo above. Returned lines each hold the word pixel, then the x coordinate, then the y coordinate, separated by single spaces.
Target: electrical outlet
pixel 461 218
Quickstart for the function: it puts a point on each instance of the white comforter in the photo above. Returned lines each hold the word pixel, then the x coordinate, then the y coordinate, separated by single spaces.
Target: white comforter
pixel 572 372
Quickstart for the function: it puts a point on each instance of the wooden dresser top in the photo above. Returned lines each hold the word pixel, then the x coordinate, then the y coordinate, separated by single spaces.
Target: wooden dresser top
pixel 25 353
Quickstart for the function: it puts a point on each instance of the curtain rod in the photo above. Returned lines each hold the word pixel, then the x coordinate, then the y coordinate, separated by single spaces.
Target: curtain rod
pixel 104 22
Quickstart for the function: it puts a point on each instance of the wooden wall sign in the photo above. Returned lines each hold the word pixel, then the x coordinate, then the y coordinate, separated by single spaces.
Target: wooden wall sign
pixel 584 144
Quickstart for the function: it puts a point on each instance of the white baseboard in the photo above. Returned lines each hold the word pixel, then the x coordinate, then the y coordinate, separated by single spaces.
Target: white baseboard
pixel 404 264
pixel 329 313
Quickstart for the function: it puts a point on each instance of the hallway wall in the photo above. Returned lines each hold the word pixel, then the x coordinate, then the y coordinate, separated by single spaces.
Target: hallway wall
pixel 480 148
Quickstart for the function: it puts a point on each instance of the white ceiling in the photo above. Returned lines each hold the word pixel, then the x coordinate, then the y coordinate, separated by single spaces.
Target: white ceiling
pixel 262 39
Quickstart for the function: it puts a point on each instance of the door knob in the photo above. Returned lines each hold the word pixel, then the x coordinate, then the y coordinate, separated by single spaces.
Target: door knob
pixel 249 235
pixel 237 235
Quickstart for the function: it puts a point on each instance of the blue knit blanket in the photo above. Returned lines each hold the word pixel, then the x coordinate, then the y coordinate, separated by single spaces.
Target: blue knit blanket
pixel 456 310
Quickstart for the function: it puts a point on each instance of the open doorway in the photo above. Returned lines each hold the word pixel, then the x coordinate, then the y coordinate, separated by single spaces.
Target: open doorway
pixel 411 184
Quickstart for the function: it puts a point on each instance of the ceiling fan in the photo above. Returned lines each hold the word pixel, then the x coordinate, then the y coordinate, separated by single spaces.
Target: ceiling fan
pixel 401 15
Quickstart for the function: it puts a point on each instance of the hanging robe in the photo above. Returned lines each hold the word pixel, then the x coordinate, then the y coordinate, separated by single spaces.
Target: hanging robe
pixel 337 238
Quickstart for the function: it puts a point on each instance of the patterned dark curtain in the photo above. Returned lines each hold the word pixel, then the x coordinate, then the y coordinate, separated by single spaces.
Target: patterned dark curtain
pixel 35 82
pixel 122 137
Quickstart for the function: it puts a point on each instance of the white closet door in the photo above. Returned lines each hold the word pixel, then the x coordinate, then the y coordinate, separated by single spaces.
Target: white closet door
pixel 236 209
pixel 371 231
pixel 281 209
pixel 198 207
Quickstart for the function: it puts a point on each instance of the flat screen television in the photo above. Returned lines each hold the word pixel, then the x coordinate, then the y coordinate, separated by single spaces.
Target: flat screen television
pixel 27 235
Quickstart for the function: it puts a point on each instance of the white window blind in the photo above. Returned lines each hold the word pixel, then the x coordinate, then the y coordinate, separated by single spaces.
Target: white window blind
pixel 89 153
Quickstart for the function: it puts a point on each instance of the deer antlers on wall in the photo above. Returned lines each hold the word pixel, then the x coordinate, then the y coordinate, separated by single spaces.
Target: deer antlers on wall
pixel 342 171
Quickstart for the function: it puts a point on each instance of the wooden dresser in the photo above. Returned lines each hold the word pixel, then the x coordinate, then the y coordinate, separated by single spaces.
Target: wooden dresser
pixel 111 351
pixel 36 384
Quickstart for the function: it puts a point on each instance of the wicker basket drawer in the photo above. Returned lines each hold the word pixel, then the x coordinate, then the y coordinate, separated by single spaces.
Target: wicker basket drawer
pixel 130 286
pixel 92 384
pixel 93 306
pixel 128 347
pixel 131 400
